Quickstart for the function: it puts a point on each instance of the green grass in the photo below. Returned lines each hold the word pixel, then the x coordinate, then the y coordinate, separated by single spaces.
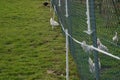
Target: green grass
pixel 29 48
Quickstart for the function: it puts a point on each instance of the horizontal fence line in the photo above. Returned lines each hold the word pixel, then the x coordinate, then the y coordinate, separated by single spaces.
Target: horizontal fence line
pixel 81 43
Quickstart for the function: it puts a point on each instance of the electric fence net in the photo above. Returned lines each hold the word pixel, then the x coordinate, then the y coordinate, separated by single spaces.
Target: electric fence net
pixel 95 23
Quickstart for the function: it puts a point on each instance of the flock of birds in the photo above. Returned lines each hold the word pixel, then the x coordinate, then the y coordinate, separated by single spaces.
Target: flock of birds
pixel 99 44
pixel 88 49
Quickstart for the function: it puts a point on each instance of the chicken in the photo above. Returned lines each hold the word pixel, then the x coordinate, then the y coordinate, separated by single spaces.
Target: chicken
pixel 115 38
pixel 86 48
pixel 98 41
pixel 53 23
pixel 92 65
pixel 101 46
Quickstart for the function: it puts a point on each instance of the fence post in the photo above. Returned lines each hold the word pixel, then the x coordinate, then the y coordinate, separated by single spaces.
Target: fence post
pixel 66 8
pixel 94 37
pixel 67 60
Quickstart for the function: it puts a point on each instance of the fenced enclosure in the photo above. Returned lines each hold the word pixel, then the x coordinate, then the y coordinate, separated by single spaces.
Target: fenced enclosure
pixel 94 30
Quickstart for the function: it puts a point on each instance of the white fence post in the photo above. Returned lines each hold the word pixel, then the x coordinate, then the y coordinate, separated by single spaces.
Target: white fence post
pixel 59 3
pixel 88 18
pixel 66 8
pixel 67 59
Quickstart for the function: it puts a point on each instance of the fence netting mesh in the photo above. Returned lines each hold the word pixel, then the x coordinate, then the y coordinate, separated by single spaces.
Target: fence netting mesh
pixel 107 19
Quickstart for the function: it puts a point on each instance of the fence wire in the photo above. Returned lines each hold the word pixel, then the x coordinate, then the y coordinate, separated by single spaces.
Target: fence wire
pixel 107 13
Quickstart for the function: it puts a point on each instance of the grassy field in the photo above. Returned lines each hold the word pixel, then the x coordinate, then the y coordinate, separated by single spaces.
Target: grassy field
pixel 29 48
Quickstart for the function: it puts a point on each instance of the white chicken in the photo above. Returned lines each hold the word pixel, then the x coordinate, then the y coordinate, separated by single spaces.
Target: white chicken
pixel 86 48
pixel 53 23
pixel 101 46
pixel 92 65
pixel 115 38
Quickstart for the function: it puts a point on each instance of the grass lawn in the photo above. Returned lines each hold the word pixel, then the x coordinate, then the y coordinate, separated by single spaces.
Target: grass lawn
pixel 29 48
